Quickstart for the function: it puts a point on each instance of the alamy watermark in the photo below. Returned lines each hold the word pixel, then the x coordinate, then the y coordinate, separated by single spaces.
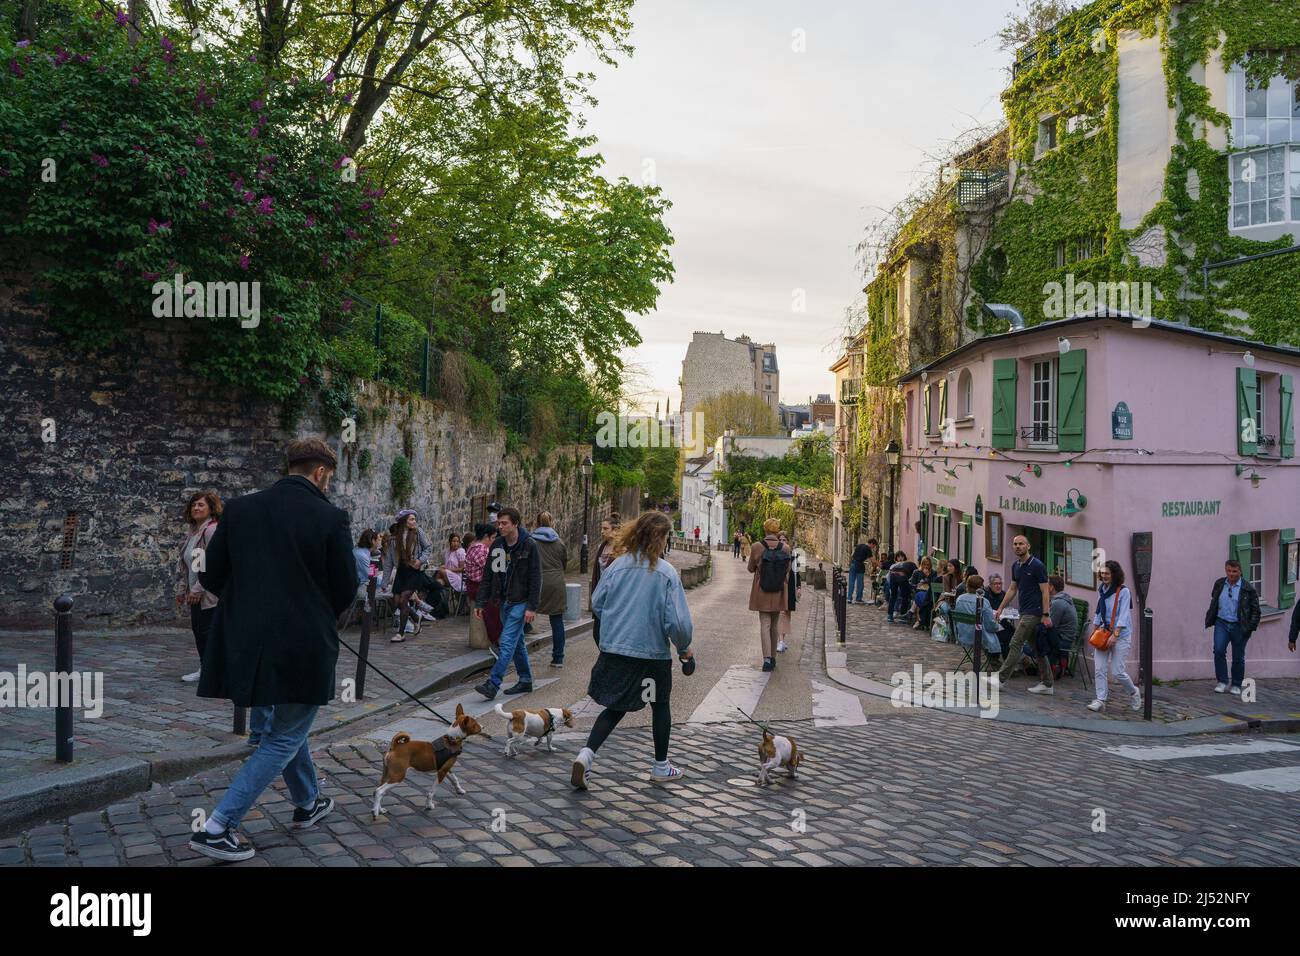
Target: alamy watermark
pixel 209 300
pixel 947 689
pixel 640 431
pixel 80 690
pixel 1063 300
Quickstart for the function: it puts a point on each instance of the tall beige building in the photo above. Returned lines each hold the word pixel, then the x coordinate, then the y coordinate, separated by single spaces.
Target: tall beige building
pixel 715 364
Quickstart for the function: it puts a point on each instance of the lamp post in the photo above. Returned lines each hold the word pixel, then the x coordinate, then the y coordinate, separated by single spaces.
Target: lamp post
pixel 586 504
pixel 891 459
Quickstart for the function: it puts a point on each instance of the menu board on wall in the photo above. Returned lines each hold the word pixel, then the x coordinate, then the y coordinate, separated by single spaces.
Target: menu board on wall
pixel 1078 561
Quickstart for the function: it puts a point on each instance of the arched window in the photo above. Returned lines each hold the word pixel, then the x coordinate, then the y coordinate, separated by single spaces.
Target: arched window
pixel 965 394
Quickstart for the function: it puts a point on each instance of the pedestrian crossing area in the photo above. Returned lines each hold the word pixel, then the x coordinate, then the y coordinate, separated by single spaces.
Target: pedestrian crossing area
pixel 1269 764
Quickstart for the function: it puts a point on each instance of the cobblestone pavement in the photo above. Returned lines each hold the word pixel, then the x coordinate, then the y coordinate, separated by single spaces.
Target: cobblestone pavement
pixel 921 789
pixel 148 710
pixel 876 650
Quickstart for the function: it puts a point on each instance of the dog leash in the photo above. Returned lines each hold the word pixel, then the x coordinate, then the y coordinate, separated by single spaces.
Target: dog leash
pixel 366 661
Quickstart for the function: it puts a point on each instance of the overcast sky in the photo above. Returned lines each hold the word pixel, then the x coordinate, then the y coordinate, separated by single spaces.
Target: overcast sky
pixel 776 160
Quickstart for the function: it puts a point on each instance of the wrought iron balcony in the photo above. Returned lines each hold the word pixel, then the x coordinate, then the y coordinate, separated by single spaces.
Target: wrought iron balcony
pixel 978 188
pixel 849 390
pixel 1039 434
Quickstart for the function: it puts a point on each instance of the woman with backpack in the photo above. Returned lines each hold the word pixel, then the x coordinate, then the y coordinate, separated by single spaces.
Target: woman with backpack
pixel 202 512
pixel 769 562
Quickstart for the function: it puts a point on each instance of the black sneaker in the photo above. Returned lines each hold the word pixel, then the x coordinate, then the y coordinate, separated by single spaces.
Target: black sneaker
pixel 306 819
pixel 769 664
pixel 519 688
pixel 487 689
pixel 224 846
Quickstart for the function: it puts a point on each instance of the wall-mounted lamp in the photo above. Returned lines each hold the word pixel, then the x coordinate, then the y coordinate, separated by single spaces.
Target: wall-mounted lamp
pixel 1254 477
pixel 1074 503
pixel 1247 357
pixel 1062 344
pixel 925 377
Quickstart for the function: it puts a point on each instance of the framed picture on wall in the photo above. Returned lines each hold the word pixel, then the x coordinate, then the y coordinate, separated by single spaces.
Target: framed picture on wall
pixel 993 535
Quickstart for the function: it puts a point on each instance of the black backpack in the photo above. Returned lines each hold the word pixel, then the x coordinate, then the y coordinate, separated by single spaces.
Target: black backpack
pixel 774 569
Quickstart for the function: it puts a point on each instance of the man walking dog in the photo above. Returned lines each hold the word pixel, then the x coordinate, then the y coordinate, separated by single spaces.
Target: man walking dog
pixel 281 562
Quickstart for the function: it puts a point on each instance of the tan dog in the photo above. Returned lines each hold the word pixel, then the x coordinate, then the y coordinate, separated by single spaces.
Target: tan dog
pixel 436 756
pixel 776 752
pixel 533 723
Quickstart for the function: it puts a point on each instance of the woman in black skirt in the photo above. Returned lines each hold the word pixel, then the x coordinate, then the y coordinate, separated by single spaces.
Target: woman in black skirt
pixel 413 552
pixel 643 614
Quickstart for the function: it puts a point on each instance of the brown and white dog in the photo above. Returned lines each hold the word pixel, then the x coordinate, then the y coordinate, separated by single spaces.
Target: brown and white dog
pixel 533 723
pixel 777 751
pixel 437 756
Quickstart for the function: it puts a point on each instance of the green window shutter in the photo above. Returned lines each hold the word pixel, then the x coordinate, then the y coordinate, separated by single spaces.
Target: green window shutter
pixel 1247 385
pixel 1073 392
pixel 1287 418
pixel 1004 403
pixel 1239 549
pixel 923 514
pixel 943 402
pixel 1285 591
pixel 969 522
pixel 928 429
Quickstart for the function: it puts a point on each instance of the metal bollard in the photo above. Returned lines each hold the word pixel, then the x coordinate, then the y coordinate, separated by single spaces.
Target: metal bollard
pixel 1145 655
pixel 367 624
pixel 63 665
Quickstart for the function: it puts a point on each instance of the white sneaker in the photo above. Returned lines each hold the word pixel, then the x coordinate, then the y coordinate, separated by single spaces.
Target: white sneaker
pixel 1137 702
pixel 1041 688
pixel 1096 705
pixel 191 678
pixel 582 767
pixel 662 779
pixel 1220 688
pixel 780 647
pixel 1234 689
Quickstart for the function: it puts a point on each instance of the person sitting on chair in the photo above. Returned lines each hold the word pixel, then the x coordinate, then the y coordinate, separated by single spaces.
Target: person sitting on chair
pixel 964 617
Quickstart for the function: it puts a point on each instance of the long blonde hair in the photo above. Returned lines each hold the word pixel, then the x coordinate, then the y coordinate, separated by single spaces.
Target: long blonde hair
pixel 647 535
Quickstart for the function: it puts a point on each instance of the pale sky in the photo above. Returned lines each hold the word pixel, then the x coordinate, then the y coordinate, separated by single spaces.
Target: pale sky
pixel 776 160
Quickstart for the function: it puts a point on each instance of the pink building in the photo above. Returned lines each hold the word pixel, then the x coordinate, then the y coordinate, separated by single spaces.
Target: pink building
pixel 1082 433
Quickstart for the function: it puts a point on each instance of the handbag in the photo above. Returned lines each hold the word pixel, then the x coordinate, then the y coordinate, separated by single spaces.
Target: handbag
pixel 1101 637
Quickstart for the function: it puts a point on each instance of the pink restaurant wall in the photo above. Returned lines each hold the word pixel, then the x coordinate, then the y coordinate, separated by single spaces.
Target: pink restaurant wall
pixel 1183 403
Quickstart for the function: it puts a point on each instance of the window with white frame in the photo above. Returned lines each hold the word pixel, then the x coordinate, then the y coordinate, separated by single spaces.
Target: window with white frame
pixel 1256 569
pixel 965 395
pixel 1266 173
pixel 1042 403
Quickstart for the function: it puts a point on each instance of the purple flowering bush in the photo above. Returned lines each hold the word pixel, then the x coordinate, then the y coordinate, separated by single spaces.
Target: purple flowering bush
pixel 170 160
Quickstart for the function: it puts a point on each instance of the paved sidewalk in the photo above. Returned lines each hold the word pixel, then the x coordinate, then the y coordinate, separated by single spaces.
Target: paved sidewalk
pixel 875 650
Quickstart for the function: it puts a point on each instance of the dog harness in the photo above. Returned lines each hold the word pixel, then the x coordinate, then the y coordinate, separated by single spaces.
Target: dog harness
pixel 444 748
pixel 548 723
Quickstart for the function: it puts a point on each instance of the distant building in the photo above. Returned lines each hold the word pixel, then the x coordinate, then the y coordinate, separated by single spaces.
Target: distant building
pixel 794 416
pixel 823 408
pixel 701 503
pixel 715 364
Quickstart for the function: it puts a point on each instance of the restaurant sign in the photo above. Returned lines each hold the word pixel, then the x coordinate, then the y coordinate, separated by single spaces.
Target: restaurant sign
pixel 1029 506
pixel 1189 509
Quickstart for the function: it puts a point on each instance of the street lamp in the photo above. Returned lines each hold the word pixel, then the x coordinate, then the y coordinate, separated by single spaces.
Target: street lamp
pixel 891 459
pixel 586 505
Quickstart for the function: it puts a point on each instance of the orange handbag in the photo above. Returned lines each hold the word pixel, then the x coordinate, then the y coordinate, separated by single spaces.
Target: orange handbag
pixel 1101 637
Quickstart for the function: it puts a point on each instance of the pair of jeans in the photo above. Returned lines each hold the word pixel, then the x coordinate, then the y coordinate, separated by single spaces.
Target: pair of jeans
pixel 514 649
pixel 284 750
pixel 557 638
pixel 1225 633
pixel 855 584
pixel 1114 663
pixel 902 598
pixel 259 724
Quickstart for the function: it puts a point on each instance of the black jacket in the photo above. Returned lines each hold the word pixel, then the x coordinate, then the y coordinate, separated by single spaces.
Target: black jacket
pixel 858 560
pixel 521 582
pixel 1295 624
pixel 1247 606
pixel 281 561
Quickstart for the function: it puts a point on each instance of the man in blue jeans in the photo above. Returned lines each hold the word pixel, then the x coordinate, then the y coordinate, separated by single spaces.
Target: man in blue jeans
pixel 858 570
pixel 1234 615
pixel 514 575
pixel 281 562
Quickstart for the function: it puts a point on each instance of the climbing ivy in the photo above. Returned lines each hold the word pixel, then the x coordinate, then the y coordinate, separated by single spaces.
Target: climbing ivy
pixel 1069 193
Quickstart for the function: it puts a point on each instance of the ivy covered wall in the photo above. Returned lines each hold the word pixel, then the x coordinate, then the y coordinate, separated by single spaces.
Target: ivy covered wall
pixel 1066 198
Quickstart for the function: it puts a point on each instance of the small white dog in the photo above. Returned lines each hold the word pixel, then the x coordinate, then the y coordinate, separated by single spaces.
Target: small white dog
pixel 540 724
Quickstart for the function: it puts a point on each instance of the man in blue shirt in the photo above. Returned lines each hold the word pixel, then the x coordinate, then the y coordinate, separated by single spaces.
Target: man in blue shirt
pixel 1029 584
pixel 1234 615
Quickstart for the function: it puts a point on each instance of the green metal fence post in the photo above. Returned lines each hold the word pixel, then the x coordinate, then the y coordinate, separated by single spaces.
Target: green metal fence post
pixel 379 358
pixel 424 370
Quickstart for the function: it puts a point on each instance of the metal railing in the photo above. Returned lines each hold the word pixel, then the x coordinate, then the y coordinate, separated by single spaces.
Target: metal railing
pixel 981 187
pixel 1038 433
pixel 849 391
pixel 839 601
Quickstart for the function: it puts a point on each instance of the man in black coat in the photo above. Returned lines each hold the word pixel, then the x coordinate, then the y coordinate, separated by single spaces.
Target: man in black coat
pixel 281 562
pixel 514 576
pixel 1234 615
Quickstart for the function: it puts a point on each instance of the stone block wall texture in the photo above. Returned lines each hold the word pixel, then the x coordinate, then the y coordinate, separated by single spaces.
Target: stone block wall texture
pixel 137 432
pixel 715 364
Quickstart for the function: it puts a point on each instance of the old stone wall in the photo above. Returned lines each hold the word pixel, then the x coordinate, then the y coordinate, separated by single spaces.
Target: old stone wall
pixel 95 512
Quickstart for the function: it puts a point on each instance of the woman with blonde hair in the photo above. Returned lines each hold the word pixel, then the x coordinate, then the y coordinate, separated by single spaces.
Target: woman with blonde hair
pixel 642 606
pixel 202 512
pixel 769 563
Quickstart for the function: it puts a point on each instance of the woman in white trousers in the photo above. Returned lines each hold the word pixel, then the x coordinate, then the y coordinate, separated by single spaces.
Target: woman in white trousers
pixel 1115 612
